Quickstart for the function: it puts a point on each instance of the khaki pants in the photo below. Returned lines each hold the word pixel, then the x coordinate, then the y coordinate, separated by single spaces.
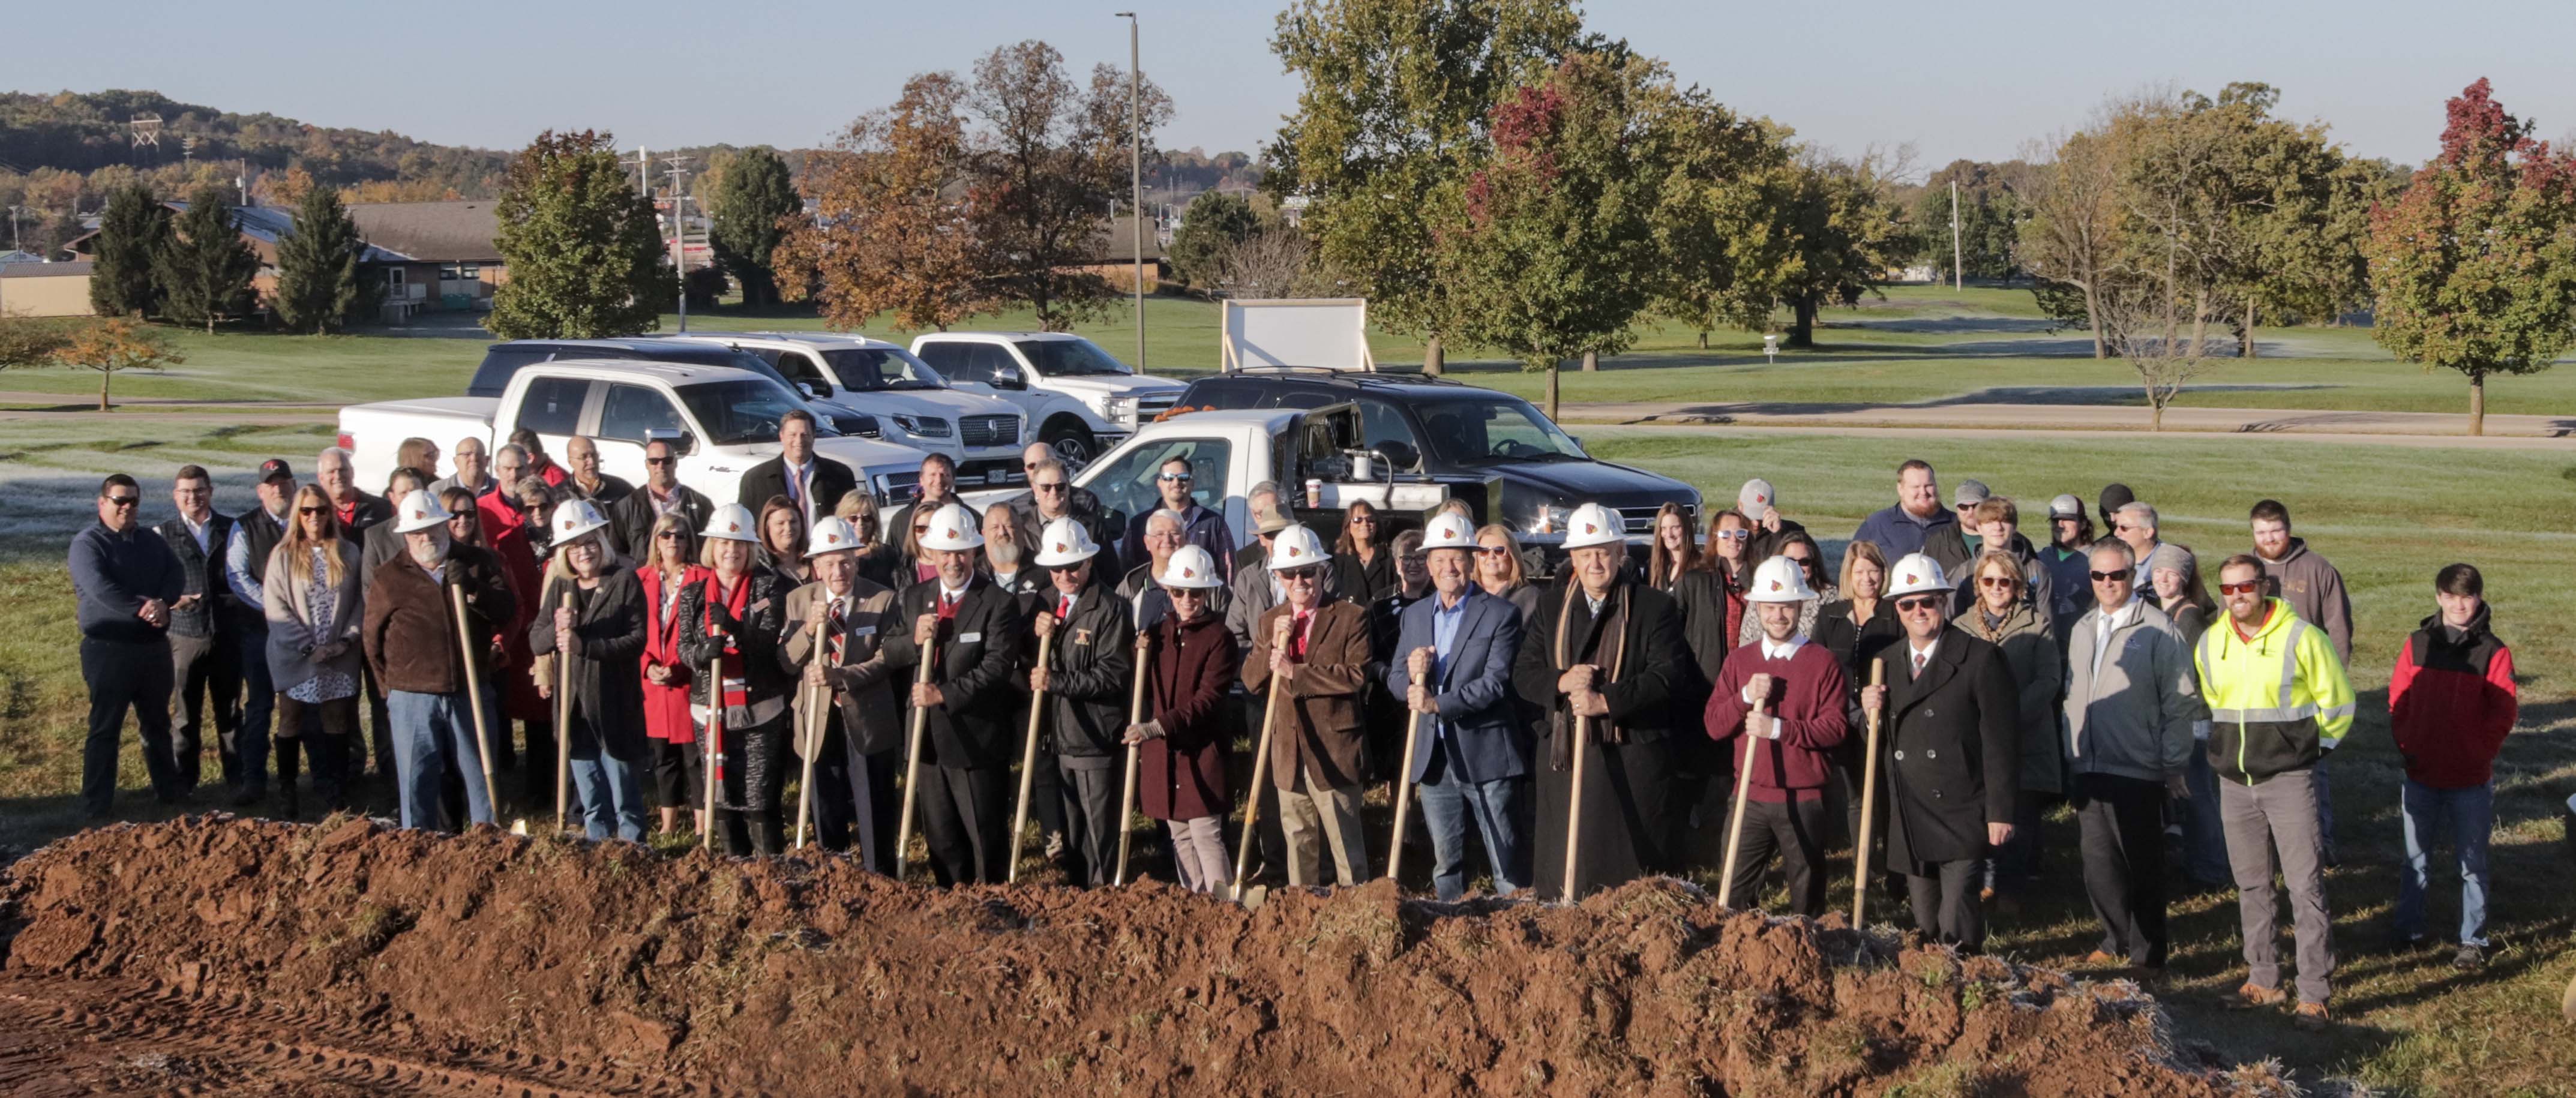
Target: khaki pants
pixel 1336 811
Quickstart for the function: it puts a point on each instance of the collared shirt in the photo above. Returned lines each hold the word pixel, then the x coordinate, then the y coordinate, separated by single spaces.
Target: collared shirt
pixel 437 572
pixel 197 530
pixel 664 504
pixel 1593 601
pixel 1446 619
pixel 237 568
pixel 1004 581
pixel 1782 650
pixel 800 485
pixel 2108 622
pixel 1920 657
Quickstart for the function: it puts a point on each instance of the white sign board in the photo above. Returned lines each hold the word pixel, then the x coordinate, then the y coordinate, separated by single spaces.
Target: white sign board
pixel 1317 332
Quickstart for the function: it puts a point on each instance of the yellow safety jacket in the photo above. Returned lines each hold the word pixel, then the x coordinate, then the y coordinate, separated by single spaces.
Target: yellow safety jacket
pixel 2276 703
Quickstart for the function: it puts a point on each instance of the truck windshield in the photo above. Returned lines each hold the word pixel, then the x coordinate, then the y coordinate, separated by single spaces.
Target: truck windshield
pixel 1070 358
pixel 871 370
pixel 1466 432
pixel 738 413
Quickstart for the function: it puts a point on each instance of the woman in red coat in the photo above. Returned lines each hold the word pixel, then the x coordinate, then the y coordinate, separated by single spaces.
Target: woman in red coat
pixel 668 567
pixel 1186 734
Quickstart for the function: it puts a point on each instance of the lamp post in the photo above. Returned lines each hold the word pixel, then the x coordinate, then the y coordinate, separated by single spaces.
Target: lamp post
pixel 1136 176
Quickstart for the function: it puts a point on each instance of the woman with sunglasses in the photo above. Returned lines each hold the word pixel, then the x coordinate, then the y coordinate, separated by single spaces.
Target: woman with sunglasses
pixel 1498 570
pixel 314 606
pixel 2005 616
pixel 879 561
pixel 1729 556
pixel 729 628
pixel 1363 568
pixel 523 551
pixel 669 567
pixel 1857 628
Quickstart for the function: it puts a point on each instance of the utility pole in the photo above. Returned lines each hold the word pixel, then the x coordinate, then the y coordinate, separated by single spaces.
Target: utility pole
pixel 1136 176
pixel 1958 251
pixel 679 174
pixel 14 243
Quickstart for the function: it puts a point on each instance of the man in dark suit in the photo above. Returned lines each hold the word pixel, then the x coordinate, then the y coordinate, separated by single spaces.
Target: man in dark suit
pixel 968 629
pixel 631 519
pixel 1471 753
pixel 203 657
pixel 812 482
pixel 1953 761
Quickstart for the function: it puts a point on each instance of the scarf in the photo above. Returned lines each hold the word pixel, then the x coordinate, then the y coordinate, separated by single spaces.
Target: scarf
pixel 1560 751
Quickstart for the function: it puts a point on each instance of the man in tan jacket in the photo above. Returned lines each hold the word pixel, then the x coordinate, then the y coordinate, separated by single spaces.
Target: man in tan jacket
pixel 1316 647
pixel 859 746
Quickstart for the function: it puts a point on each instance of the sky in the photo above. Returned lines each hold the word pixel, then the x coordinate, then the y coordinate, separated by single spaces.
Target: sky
pixel 1975 81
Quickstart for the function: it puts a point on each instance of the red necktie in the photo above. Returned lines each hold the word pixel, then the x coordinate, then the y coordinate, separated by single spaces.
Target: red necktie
pixel 1297 643
pixel 947 606
pixel 1063 607
pixel 835 628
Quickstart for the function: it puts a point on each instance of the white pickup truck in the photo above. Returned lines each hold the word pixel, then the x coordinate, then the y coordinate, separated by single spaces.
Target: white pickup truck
pixel 724 421
pixel 1079 400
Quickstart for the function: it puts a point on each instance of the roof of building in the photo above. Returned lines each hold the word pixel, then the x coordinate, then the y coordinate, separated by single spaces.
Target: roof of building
pixel 270 224
pixel 20 257
pixel 44 270
pixel 432 232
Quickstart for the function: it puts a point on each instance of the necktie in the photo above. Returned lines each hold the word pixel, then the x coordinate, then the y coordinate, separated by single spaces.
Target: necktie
pixel 1297 643
pixel 1919 657
pixel 834 628
pixel 796 487
pixel 1063 607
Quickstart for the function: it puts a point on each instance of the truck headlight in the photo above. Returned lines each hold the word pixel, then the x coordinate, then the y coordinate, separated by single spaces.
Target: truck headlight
pixel 1119 409
pixel 1547 519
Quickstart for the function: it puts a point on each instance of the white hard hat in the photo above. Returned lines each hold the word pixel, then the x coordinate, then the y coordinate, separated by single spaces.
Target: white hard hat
pixel 1450 531
pixel 1065 542
pixel 1594 524
pixel 832 534
pixel 953 528
pixel 573 518
pixel 1780 579
pixel 1191 566
pixel 732 522
pixel 420 511
pixel 1296 547
pixel 1914 575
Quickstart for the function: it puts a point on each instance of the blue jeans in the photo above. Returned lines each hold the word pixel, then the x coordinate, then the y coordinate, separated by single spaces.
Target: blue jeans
pixel 2204 839
pixel 432 732
pixel 611 792
pixel 259 703
pixel 2470 816
pixel 1497 807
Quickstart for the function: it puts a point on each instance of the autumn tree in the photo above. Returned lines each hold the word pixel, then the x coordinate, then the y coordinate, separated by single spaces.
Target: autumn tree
pixel 113 346
pixel 1716 230
pixel 2474 266
pixel 320 280
pixel 892 232
pixel 583 248
pixel 1049 158
pixel 1550 246
pixel 130 234
pixel 204 268
pixel 1212 225
pixel 754 205
pixel 1395 99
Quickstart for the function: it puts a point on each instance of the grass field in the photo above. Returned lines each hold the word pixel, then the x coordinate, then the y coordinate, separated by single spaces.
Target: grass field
pixel 2388 517
pixel 1922 344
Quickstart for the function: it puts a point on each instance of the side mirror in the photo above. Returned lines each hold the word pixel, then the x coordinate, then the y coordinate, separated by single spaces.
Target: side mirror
pixel 1009 377
pixel 1399 456
pixel 806 390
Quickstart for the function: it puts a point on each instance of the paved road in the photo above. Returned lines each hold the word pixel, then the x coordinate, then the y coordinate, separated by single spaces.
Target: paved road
pixel 2401 428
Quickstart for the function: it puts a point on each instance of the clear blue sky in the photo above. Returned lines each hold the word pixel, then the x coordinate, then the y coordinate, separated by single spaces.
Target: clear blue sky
pixel 1957 80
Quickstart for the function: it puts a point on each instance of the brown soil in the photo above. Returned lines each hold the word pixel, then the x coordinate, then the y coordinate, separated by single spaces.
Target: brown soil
pixel 223 956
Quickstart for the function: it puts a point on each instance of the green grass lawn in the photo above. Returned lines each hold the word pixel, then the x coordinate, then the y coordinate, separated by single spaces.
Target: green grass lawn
pixel 2388 516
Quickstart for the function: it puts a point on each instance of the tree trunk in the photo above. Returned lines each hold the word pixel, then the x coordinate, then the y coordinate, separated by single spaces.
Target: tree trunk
pixel 1591 362
pixel 2093 319
pixel 2155 411
pixel 104 377
pixel 1435 360
pixel 2248 351
pixel 2476 403
pixel 1802 323
pixel 2199 323
pixel 1703 341
pixel 1551 389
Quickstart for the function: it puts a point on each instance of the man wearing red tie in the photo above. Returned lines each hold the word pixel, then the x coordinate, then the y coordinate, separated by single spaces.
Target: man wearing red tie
pixel 812 482
pixel 1314 648
pixel 965 627
pixel 1086 676
pixel 861 745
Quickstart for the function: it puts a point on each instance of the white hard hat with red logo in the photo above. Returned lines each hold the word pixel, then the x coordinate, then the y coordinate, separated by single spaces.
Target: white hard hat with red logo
pixel 1296 547
pixel 832 534
pixel 1914 575
pixel 1190 566
pixel 420 511
pixel 574 518
pixel 1594 524
pixel 731 522
pixel 1780 579
pixel 1450 531
pixel 953 528
pixel 1065 542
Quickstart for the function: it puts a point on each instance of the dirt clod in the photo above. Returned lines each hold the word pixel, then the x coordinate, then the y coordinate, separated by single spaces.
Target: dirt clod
pixel 568 968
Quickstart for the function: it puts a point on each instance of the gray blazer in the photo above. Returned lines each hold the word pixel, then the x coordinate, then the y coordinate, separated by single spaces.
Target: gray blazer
pixel 289 610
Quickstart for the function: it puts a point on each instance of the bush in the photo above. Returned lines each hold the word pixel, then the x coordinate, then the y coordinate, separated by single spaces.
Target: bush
pixel 703 287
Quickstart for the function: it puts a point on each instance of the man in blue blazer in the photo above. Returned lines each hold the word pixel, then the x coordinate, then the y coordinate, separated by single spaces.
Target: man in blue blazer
pixel 1471 753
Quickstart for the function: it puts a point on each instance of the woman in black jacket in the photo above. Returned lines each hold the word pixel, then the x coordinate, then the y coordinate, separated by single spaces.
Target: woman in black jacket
pixel 1857 628
pixel 736 616
pixel 1363 567
pixel 593 613
pixel 1675 567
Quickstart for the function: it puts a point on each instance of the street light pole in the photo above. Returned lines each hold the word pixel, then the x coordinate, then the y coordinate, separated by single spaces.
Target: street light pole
pixel 1136 176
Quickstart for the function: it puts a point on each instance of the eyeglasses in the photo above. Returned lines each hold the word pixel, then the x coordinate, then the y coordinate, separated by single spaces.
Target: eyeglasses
pixel 1412 559
pixel 1994 581
pixel 311 510
pixel 1168 478
pixel 1055 487
pixel 1735 535
pixel 1913 603
pixel 1073 567
pixel 1301 575
pixel 1191 593
pixel 667 535
pixel 122 501
pixel 659 460
pixel 2112 577
pixel 2246 588
pixel 1363 520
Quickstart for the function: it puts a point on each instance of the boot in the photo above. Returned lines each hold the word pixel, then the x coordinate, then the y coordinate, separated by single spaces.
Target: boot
pixel 289 804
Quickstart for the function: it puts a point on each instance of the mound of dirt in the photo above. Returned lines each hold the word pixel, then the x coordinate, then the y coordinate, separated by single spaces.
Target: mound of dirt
pixel 434 962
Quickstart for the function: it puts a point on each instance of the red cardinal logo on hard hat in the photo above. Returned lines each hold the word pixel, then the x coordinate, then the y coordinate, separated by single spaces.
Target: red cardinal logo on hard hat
pixel 1591 529
pixel 1189 573
pixel 419 514
pixel 1911 579
pixel 831 539
pixel 733 528
pixel 950 533
pixel 1775 585
pixel 1294 551
pixel 1059 547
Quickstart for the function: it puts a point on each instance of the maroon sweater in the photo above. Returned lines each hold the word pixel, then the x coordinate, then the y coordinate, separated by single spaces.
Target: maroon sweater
pixel 1807 695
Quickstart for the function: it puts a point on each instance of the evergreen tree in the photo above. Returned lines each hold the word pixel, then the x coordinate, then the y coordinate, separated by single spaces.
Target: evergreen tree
pixel 319 281
pixel 750 201
pixel 583 248
pixel 130 234
pixel 1212 226
pixel 204 268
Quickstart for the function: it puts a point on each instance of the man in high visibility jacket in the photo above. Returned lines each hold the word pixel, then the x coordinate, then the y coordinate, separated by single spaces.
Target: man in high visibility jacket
pixel 2278 702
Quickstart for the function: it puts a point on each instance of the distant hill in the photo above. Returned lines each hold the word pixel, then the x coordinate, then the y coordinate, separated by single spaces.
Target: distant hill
pixel 83 132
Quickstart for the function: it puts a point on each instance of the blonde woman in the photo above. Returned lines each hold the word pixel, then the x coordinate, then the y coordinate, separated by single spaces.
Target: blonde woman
pixel 670 565
pixel 314 604
pixel 2004 615
pixel 879 561
pixel 1498 569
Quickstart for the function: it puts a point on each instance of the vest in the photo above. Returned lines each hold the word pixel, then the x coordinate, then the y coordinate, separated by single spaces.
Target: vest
pixel 260 532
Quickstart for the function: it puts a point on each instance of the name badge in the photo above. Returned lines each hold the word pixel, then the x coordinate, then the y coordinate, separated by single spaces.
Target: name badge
pixel 864 631
pixel 1082 636
pixel 969 638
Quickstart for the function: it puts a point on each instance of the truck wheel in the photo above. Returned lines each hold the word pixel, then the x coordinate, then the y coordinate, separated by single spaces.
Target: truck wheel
pixel 1073 445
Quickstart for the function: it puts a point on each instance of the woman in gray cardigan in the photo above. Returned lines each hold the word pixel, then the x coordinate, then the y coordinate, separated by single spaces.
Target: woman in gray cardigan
pixel 314 603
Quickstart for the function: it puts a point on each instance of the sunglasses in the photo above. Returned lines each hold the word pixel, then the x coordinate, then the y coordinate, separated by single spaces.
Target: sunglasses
pixel 1735 535
pixel 1912 603
pixel 1073 567
pixel 2111 577
pixel 659 460
pixel 667 535
pixel 2247 588
pixel 1183 478
pixel 1301 574
pixel 1055 487
pixel 122 501
pixel 311 510
pixel 1994 581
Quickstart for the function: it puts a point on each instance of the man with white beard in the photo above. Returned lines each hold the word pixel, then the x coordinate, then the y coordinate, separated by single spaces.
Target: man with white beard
pixel 412 642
